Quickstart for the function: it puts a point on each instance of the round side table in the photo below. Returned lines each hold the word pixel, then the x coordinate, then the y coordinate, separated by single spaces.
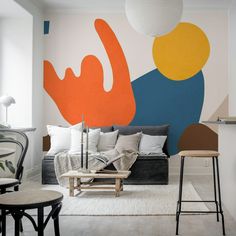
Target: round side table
pixel 16 203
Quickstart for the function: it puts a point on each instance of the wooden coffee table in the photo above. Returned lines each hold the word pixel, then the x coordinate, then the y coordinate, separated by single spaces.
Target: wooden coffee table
pixel 75 181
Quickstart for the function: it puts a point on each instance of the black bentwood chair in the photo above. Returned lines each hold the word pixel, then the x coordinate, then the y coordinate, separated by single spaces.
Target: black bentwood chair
pixel 11 137
pixel 17 140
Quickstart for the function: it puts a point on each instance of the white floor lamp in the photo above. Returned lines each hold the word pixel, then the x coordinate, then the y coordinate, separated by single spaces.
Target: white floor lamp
pixel 6 101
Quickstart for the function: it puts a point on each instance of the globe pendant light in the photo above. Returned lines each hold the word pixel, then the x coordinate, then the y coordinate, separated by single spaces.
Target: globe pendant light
pixel 154 17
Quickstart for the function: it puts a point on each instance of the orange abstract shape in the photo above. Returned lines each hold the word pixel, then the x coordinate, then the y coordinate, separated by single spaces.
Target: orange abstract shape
pixel 85 94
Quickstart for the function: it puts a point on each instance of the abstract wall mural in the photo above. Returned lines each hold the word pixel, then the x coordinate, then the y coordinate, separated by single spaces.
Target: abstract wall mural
pixel 163 101
pixel 172 92
pixel 198 137
pixel 84 94
pixel 182 53
pixel 46 27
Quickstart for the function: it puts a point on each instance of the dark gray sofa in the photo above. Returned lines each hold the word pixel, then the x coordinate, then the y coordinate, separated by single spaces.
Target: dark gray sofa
pixel 148 169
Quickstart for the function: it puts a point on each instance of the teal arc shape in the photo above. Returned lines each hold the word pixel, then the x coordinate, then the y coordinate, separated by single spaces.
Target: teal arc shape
pixel 160 100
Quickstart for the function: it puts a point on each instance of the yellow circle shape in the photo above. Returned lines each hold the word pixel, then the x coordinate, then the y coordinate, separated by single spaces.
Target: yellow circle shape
pixel 182 53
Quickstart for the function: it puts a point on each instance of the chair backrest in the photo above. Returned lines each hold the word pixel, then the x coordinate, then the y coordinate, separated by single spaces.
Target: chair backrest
pixel 21 140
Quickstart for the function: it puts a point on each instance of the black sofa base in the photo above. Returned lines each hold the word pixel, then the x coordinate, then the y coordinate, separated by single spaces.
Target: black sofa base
pixel 147 170
pixel 48 171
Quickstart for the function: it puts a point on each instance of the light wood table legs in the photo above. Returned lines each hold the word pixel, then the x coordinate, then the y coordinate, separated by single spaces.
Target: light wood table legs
pixel 71 187
pixel 79 184
pixel 118 186
pixel 114 176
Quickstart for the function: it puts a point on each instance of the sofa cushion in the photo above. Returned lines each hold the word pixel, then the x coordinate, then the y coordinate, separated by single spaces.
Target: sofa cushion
pixel 60 137
pixel 107 141
pixel 152 144
pixel 104 129
pixel 128 142
pixel 150 130
pixel 93 138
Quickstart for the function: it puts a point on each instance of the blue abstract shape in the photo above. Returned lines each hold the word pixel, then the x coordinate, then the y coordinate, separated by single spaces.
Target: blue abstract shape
pixel 163 101
pixel 46 27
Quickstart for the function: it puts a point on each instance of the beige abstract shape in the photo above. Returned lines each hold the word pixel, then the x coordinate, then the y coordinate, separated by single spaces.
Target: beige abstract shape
pixel 222 110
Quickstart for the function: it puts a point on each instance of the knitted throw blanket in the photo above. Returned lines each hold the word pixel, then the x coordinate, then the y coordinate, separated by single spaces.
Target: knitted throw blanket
pixel 65 162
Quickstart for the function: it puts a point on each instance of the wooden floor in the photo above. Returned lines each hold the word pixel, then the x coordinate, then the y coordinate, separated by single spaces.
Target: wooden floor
pixel 200 225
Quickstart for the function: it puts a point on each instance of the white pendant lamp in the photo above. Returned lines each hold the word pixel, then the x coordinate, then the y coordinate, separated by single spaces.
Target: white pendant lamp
pixel 154 17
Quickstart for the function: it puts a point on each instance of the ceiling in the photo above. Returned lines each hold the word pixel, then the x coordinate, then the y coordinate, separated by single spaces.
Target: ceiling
pixel 10 8
pixel 119 4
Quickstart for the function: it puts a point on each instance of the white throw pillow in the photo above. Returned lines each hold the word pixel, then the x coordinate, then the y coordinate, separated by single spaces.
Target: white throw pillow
pixel 151 144
pixel 60 138
pixel 93 138
pixel 107 141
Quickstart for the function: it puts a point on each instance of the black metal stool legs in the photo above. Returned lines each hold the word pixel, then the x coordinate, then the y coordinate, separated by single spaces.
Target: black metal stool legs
pixel 179 203
pixel 216 178
pixel 219 193
pixel 215 194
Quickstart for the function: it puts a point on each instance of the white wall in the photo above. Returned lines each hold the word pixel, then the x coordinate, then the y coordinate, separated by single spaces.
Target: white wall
pixel 232 59
pixel 227 133
pixel 214 22
pixel 227 162
pixel 66 51
pixel 21 72
pixel 37 74
pixel 37 83
pixel 16 69
pixel 16 33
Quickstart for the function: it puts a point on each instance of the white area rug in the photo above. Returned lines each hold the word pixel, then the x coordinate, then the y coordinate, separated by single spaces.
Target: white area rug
pixel 134 200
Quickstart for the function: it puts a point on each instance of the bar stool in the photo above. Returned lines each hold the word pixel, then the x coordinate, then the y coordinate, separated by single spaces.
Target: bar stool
pixel 201 154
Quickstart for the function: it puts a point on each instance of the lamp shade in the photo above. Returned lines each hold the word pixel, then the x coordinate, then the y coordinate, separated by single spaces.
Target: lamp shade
pixel 154 17
pixel 6 101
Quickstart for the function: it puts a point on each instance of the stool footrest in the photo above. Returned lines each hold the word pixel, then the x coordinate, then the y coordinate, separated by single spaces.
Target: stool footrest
pixel 198 212
pixel 198 201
